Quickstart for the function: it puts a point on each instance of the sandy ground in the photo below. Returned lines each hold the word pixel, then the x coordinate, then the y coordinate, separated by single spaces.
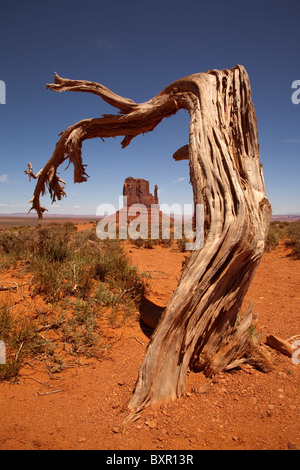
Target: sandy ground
pixel 85 407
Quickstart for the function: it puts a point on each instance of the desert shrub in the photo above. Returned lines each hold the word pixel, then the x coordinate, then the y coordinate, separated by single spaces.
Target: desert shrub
pixel 138 242
pixel 15 244
pixel 48 278
pixel 181 244
pixel 272 238
pixel 49 242
pixel 65 263
pixel 105 296
pixel 78 264
pixel 289 232
pixel 83 239
pixel 21 340
pixel 277 231
pixel 79 275
pixel 165 242
pixel 150 243
pixel 80 330
pixel 293 237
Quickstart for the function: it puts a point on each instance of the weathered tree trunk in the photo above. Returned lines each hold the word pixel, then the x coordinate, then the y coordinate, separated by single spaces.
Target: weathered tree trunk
pixel 200 325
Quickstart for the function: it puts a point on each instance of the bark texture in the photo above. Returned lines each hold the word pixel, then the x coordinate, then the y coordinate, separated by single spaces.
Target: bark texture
pixel 202 326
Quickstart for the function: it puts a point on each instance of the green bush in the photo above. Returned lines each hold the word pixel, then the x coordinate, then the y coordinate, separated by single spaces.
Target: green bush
pixel 287 231
pixel 293 240
pixel 21 339
pixel 65 263
pixel 277 231
pixel 78 275
pixel 272 238
pixel 181 244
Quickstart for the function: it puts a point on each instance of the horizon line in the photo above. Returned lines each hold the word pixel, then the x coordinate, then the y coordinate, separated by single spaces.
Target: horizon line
pixel 26 214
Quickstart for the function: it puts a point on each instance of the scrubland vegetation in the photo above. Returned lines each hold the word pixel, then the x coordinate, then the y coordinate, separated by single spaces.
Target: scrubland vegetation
pixel 85 284
pixel 287 231
pixel 76 286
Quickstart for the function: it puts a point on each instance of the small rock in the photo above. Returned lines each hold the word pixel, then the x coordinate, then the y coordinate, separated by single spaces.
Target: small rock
pixel 293 446
pixel 151 423
pixel 115 430
pixel 81 439
pixel 115 405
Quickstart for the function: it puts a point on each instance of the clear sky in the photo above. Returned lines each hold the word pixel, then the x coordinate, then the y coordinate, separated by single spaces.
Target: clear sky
pixel 137 48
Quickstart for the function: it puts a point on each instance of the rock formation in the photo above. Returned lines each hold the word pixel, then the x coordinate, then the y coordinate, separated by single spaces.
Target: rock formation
pixel 137 192
pixel 140 202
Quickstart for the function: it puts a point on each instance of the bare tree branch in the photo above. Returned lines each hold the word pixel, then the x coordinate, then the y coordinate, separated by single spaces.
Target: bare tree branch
pixel 199 327
pixel 140 119
pixel 64 84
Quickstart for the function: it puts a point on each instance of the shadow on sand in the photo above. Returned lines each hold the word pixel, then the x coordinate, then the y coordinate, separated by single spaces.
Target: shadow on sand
pixel 150 314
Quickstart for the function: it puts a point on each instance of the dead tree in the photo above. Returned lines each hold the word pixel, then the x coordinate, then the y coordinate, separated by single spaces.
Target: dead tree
pixel 202 325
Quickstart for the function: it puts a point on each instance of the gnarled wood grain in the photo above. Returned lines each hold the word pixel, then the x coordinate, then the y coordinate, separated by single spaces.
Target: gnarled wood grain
pixel 200 325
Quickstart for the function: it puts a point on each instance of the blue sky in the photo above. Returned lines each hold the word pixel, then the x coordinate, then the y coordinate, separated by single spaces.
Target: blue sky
pixel 137 48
